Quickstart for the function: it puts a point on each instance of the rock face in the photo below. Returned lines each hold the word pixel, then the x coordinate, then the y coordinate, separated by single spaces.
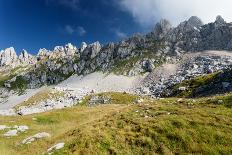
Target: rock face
pixel 8 57
pixel 26 58
pixel 91 51
pixel 192 35
pixel 162 28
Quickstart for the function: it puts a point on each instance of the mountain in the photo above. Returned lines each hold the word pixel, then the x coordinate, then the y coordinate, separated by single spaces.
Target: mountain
pixel 137 55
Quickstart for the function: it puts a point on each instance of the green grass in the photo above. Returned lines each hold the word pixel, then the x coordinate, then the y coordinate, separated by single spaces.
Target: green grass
pixel 225 100
pixel 8 75
pixel 153 127
pixel 115 98
pixel 126 65
pixel 193 84
pixel 19 85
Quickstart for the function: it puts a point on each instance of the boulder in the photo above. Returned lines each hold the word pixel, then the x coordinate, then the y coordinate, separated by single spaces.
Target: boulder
pixel 56 147
pixel 11 133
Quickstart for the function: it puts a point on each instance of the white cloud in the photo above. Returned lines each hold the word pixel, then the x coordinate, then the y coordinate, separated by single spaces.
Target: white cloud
pixel 80 31
pixel 147 12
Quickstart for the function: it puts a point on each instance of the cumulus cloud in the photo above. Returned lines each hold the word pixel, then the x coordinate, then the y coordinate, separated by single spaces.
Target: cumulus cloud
pixel 79 30
pixel 147 12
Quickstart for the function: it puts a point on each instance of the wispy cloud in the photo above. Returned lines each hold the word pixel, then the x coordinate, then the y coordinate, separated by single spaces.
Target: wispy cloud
pixel 81 31
pixel 71 30
pixel 118 33
pixel 73 4
pixel 147 12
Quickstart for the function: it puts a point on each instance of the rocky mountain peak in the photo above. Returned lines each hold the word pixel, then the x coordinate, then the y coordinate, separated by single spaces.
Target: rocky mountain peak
pixel 83 46
pixel 219 20
pixel 162 28
pixel 8 57
pixel 42 52
pixel 23 54
pixel 58 49
pixel 91 50
pixel 70 49
pixel 25 58
pixel 195 21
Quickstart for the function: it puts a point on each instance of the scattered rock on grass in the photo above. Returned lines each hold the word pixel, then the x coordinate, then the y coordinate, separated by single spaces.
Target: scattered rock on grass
pixel 11 133
pixel 35 137
pixel 220 101
pixel 3 127
pixel 21 128
pixel 139 100
pixel 56 147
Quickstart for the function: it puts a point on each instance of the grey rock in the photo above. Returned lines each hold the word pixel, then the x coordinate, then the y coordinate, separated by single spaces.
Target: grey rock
pixel 35 137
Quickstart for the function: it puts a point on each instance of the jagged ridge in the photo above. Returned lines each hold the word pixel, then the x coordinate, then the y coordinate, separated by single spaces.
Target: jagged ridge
pixel 139 54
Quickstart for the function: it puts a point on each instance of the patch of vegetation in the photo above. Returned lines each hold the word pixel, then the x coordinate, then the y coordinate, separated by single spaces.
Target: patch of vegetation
pixel 41 96
pixel 7 75
pixel 3 79
pixel 19 85
pixel 193 85
pixel 225 100
pixel 57 73
pixel 45 120
pixel 115 98
pixel 126 65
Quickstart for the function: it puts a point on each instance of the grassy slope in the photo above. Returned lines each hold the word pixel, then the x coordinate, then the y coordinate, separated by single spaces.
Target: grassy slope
pixel 7 75
pixel 43 95
pixel 193 84
pixel 206 85
pixel 153 127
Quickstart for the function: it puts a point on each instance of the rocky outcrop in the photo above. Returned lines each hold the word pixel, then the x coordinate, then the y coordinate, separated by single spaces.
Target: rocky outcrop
pixel 192 66
pixel 70 49
pixel 8 57
pixel 91 51
pixel 26 59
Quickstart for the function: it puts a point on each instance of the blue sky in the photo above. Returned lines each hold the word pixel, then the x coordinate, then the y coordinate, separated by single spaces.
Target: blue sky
pixel 34 24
